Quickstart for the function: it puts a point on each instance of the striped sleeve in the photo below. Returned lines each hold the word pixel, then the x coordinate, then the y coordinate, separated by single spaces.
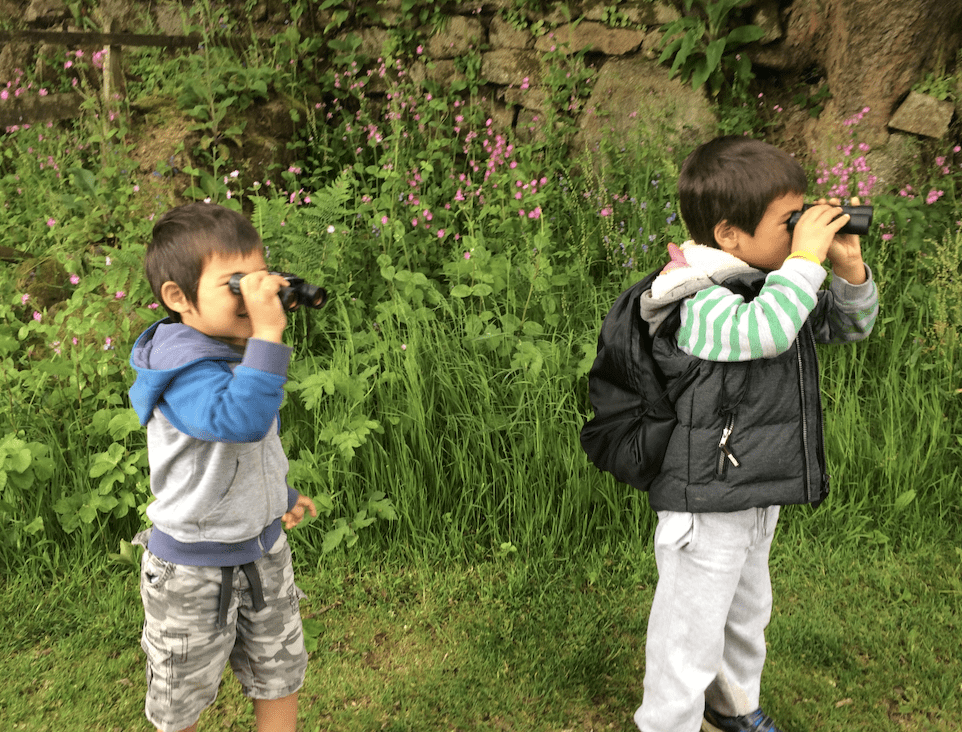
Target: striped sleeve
pixel 846 312
pixel 718 325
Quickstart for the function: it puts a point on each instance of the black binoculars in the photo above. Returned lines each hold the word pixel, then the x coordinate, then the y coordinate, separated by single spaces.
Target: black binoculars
pixel 292 297
pixel 859 223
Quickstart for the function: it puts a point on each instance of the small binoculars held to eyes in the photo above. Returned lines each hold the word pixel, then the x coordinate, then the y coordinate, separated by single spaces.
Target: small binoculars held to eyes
pixel 298 293
pixel 859 223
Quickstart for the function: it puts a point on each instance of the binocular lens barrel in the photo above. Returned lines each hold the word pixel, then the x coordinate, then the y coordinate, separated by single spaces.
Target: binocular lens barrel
pixel 859 224
pixel 305 294
pixel 293 296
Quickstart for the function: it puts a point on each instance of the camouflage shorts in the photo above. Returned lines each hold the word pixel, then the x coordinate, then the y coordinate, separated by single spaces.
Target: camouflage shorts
pixel 188 648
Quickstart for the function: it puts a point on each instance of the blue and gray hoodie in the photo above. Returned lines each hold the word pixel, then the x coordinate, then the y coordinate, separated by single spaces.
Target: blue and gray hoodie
pixel 217 468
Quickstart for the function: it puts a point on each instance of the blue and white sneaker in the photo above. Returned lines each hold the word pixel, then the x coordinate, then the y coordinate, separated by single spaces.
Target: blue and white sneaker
pixel 756 721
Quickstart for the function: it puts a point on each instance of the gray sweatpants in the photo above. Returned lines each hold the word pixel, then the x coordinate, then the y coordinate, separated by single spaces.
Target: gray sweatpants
pixel 706 630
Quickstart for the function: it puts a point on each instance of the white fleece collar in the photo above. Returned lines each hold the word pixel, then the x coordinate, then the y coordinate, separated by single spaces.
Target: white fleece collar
pixel 692 268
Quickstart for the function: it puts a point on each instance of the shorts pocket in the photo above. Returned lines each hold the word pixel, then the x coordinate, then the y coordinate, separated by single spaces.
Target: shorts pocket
pixel 154 571
pixel 164 652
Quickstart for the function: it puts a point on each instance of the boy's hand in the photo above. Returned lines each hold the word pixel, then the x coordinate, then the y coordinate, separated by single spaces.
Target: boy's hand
pixel 817 228
pixel 293 517
pixel 845 254
pixel 268 319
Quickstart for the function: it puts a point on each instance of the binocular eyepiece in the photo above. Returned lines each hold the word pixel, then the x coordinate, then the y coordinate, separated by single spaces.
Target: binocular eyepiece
pixel 859 223
pixel 292 297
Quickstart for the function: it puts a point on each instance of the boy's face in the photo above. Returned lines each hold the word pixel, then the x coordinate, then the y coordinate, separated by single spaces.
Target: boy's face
pixel 219 313
pixel 772 241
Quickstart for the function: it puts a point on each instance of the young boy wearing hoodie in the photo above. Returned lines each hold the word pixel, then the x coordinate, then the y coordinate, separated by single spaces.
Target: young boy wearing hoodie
pixel 216 579
pixel 745 295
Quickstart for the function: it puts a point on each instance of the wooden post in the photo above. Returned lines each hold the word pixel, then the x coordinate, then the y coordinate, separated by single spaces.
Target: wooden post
pixel 115 88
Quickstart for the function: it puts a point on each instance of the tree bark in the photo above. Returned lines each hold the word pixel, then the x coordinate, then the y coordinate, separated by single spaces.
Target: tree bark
pixel 871 52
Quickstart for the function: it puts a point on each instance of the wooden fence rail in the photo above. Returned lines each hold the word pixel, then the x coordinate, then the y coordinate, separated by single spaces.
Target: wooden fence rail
pixel 83 38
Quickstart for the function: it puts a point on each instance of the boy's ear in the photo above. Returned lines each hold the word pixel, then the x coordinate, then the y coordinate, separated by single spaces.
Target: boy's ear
pixel 174 297
pixel 727 235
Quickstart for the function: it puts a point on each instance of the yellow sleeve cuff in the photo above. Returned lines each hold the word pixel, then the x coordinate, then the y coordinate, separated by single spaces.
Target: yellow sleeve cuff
pixel 803 255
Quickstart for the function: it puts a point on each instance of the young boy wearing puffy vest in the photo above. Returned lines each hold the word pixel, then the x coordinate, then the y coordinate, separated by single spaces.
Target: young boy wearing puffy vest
pixel 749 433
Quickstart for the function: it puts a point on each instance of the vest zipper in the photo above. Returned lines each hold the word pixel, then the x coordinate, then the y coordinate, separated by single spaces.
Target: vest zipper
pixel 725 454
pixel 805 445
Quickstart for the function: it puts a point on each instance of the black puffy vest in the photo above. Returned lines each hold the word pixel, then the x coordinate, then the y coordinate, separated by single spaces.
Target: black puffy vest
pixel 748 434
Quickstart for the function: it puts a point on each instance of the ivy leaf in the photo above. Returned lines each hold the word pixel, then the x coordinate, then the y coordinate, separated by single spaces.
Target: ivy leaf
pixel 745 34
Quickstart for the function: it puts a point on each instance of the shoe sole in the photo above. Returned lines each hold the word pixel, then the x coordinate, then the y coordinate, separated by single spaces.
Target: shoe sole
pixel 707 726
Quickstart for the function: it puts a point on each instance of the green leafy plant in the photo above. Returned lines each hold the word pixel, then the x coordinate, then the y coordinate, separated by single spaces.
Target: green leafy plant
pixel 24 467
pixel 611 15
pixel 703 48
pixel 813 101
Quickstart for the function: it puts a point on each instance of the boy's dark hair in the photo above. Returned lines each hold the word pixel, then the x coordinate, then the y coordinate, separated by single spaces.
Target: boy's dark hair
pixel 734 178
pixel 184 239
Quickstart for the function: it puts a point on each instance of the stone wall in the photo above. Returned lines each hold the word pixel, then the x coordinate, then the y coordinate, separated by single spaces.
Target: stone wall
pixel 629 90
pixel 630 94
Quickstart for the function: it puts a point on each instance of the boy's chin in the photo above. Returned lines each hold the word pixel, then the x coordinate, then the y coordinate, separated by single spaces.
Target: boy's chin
pixel 232 340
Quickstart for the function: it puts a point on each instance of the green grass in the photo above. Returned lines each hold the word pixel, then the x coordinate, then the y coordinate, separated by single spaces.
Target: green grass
pixel 861 639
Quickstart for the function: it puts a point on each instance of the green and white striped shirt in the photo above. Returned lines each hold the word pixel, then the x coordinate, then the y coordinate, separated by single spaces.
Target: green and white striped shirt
pixel 718 325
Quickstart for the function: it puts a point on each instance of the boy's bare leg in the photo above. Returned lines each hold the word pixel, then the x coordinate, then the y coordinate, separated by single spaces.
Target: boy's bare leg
pixel 272 715
pixel 276 715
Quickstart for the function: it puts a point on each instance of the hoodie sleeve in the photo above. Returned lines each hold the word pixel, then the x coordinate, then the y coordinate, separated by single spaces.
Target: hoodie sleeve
pixel 846 312
pixel 208 401
pixel 719 325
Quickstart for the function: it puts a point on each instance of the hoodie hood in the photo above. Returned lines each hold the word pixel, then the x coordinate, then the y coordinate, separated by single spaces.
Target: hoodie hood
pixel 693 267
pixel 161 353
